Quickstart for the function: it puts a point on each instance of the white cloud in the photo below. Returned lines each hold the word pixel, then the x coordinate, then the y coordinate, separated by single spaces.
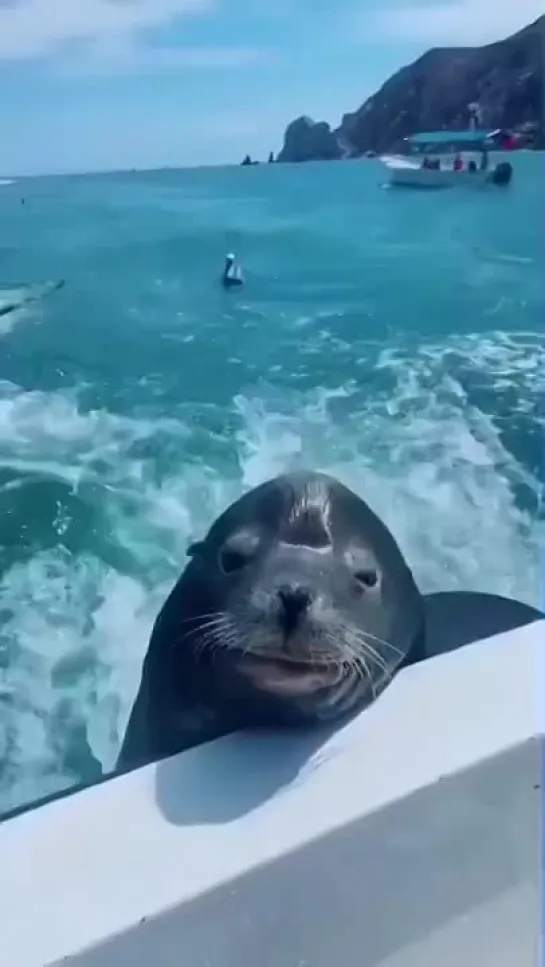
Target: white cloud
pixel 33 28
pixel 121 56
pixel 458 22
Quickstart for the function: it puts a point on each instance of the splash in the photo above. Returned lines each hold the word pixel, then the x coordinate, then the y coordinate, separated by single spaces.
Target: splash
pixel 100 520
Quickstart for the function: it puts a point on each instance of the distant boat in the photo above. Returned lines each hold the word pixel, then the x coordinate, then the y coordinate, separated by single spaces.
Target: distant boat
pixel 442 159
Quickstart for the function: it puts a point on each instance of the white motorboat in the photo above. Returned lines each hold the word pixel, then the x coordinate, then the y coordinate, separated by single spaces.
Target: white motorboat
pixel 409 838
pixel 447 159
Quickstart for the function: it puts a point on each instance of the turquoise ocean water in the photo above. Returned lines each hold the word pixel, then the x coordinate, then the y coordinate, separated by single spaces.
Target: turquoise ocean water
pixel 394 339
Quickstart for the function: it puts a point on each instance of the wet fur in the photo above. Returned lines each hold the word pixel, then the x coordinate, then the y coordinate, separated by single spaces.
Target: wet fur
pixel 218 649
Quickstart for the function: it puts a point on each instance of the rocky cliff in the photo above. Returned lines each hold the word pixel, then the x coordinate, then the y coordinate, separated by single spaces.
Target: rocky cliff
pixel 307 140
pixel 506 79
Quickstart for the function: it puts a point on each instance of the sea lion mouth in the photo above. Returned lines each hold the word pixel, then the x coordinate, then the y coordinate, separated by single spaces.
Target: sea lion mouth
pixel 289 676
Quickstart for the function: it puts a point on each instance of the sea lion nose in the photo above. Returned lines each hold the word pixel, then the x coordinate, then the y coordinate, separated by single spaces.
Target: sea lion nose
pixel 294 599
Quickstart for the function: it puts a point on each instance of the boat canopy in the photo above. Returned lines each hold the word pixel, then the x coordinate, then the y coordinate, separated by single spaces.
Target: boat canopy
pixel 483 138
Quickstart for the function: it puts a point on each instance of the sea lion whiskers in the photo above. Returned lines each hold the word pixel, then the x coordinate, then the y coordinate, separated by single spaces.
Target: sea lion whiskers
pixel 349 651
pixel 353 661
pixel 200 617
pixel 201 622
pixel 358 652
pixel 206 623
pixel 363 641
pixel 356 664
pixel 366 637
pixel 214 632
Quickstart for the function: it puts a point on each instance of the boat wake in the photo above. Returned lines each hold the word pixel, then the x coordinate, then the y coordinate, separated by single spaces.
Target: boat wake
pixel 99 507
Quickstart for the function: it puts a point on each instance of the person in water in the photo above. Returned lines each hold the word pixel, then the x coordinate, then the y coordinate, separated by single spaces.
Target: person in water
pixel 232 273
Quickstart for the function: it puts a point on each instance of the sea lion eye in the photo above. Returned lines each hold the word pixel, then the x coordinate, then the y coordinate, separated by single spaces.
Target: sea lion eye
pixel 238 551
pixel 367 577
pixel 232 560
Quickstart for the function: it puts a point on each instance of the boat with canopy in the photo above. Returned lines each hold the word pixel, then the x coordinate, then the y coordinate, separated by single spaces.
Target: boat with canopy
pixel 445 159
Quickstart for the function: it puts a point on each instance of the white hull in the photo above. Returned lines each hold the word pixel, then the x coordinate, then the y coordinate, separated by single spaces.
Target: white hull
pixel 402 171
pixel 409 838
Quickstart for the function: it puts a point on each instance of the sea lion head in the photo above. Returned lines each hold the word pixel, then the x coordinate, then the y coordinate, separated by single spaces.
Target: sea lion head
pixel 302 598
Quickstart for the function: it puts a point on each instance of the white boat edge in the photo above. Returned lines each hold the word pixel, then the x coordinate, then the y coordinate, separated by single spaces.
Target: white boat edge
pixel 410 838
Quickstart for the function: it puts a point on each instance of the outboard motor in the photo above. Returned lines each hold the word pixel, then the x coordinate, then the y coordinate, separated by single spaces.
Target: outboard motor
pixel 502 174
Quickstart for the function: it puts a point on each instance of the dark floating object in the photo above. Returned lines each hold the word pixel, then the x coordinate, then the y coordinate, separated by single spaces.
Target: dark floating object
pixel 247 160
pixel 32 294
pixel 502 174
pixel 232 273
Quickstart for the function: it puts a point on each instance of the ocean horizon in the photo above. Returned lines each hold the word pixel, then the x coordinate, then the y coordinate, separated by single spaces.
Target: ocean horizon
pixel 10 177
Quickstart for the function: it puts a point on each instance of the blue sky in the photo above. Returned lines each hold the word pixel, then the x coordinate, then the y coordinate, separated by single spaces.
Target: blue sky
pixel 101 84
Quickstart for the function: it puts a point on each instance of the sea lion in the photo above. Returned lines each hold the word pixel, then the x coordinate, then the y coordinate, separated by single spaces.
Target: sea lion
pixel 297 608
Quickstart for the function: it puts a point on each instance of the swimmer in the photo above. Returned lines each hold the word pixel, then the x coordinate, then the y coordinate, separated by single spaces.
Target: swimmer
pixel 232 273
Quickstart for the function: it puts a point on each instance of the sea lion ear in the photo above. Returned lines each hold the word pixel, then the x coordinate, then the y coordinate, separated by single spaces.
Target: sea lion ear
pixel 194 549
